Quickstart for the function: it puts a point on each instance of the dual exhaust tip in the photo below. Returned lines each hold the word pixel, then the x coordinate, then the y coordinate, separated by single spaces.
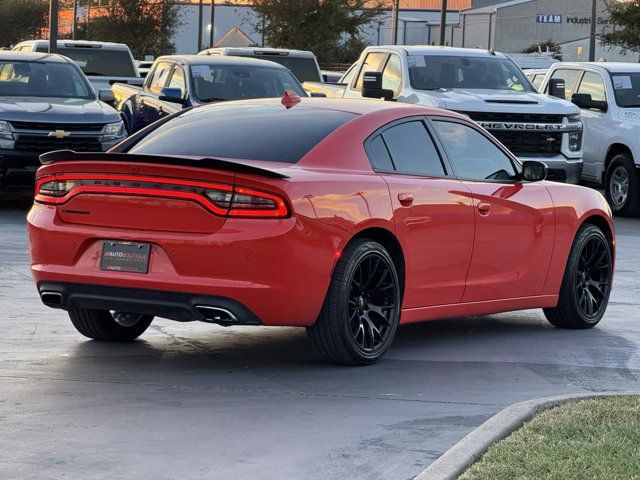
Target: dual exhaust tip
pixel 209 314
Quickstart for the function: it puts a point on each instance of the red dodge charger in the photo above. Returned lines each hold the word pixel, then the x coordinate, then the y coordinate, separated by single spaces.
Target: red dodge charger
pixel 344 217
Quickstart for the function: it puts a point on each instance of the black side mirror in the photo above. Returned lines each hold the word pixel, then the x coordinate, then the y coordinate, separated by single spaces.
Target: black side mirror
pixel 584 100
pixel 372 86
pixel 533 171
pixel 107 96
pixel 173 95
pixel 557 88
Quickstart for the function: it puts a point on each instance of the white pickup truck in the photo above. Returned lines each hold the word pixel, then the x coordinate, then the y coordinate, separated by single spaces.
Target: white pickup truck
pixel 487 86
pixel 609 96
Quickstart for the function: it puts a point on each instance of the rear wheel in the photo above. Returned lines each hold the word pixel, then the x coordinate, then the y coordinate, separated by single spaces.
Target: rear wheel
pixel 109 326
pixel 360 315
pixel 622 186
pixel 586 284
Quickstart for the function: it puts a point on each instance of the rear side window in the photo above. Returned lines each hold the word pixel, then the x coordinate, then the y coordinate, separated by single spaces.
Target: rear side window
pixel 379 155
pixel 249 132
pixel 412 149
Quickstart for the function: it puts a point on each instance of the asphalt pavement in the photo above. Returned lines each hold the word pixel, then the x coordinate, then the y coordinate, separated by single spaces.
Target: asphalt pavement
pixel 198 401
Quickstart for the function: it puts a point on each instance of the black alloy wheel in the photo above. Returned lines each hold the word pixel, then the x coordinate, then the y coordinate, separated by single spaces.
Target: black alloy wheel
pixel 361 312
pixel 586 285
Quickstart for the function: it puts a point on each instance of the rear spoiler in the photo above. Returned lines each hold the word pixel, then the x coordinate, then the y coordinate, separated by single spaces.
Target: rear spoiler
pixel 213 163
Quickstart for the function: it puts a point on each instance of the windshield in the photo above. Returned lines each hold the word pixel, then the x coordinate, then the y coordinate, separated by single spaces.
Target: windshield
pixel 305 69
pixel 626 87
pixel 42 79
pixel 489 73
pixel 99 62
pixel 236 82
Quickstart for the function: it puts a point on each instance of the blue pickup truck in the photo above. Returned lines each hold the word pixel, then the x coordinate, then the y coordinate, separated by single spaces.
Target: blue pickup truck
pixel 181 81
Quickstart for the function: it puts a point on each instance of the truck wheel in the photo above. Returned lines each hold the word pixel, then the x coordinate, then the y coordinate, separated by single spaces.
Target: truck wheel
pixel 109 326
pixel 361 312
pixel 622 186
pixel 586 285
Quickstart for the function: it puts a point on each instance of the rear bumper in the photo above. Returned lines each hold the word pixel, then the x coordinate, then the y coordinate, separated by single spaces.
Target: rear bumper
pixel 277 269
pixel 176 306
pixel 561 169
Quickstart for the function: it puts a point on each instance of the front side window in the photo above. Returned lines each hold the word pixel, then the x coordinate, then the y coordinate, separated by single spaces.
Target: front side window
pixel 178 80
pixel 412 150
pixel 236 82
pixel 348 76
pixel 626 88
pixel 537 81
pixel 432 72
pixel 42 79
pixel 159 78
pixel 392 75
pixel 593 85
pixel 474 156
pixel 570 77
pixel 373 63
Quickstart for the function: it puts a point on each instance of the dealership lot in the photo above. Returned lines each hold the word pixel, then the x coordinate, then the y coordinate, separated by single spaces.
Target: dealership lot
pixel 201 401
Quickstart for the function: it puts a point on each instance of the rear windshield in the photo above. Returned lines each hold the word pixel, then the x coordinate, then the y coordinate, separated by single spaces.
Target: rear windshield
pixel 250 132
pixel 305 69
pixel 626 87
pixel 99 62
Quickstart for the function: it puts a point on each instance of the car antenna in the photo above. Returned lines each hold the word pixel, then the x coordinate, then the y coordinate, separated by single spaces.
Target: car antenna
pixel 290 99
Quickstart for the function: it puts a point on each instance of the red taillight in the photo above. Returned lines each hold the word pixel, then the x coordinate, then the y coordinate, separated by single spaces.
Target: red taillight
pixel 221 199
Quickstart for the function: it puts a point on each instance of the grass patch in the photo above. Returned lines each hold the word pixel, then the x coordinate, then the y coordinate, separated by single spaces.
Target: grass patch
pixel 587 440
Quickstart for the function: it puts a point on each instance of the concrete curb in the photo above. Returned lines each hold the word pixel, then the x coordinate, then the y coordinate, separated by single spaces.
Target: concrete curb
pixel 451 464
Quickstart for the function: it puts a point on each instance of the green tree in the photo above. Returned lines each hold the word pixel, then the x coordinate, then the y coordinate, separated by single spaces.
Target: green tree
pixel 22 20
pixel 625 16
pixel 147 26
pixel 326 27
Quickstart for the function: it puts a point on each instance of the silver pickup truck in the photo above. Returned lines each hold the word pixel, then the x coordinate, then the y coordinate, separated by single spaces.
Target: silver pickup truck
pixel 46 103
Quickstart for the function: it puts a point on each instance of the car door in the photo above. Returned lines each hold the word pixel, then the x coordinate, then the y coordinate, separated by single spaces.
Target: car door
pixel 148 105
pixel 515 220
pixel 432 212
pixel 595 124
pixel 178 79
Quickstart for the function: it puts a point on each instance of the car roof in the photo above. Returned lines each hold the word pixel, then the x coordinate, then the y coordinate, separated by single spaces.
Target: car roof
pixel 355 106
pixel 219 60
pixel 613 67
pixel 438 50
pixel 33 57
pixel 79 43
pixel 289 52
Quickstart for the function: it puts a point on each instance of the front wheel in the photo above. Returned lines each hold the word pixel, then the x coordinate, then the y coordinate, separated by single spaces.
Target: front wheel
pixel 109 326
pixel 361 312
pixel 622 186
pixel 586 285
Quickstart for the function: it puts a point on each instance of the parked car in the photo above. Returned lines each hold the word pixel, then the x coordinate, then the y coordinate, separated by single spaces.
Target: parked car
pixel 303 64
pixel 345 217
pixel 181 81
pixel 46 103
pixel 608 95
pixel 484 85
pixel 104 63
pixel 536 76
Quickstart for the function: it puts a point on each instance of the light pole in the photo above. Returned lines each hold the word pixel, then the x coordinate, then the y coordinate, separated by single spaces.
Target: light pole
pixel 395 19
pixel 74 23
pixel 212 21
pixel 592 37
pixel 199 26
pixel 443 21
pixel 53 25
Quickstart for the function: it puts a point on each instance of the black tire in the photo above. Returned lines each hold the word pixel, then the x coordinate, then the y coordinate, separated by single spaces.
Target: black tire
pixel 361 311
pixel 109 327
pixel 586 285
pixel 624 200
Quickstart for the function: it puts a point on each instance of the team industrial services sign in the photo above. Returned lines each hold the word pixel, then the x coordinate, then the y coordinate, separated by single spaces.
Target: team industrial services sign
pixel 541 18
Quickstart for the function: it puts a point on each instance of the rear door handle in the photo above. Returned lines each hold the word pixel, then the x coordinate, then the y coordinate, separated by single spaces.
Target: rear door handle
pixel 406 199
pixel 484 208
